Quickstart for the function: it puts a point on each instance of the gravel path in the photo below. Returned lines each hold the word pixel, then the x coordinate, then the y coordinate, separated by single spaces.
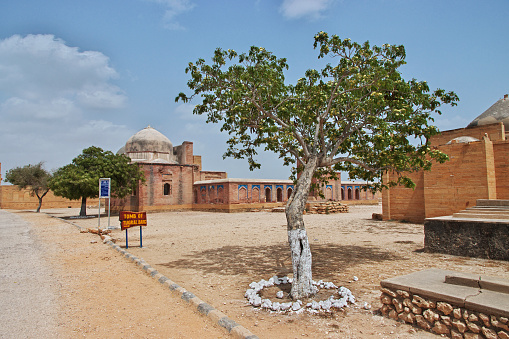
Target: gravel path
pixel 28 289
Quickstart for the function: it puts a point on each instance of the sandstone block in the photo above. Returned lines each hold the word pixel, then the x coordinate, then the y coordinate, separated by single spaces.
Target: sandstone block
pixel 503 335
pixel 456 335
pixel 393 315
pixel 446 320
pixel 385 299
pixel 397 305
pixel 503 320
pixel 485 319
pixel 403 294
pixel 489 333
pixel 440 328
pixel 430 316
pixel 469 335
pixel 472 317
pixel 407 317
pixel 388 292
pixel 422 323
pixel 473 327
pixel 460 325
pixel 445 308
pixel 457 313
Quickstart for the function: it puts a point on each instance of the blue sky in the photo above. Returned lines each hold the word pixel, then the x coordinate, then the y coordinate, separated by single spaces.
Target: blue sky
pixel 80 73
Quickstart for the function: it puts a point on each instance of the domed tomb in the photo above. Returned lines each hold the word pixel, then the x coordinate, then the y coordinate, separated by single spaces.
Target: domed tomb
pixel 498 112
pixel 149 145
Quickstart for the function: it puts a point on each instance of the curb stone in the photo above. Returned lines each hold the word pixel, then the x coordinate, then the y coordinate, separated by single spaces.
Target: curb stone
pixel 233 328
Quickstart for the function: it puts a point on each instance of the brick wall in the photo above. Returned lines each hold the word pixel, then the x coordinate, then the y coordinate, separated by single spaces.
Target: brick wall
pixel 501 152
pixel 13 198
pixel 496 132
pixel 400 203
pixel 457 184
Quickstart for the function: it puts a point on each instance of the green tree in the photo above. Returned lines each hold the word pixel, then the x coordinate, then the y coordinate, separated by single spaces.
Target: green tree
pixel 357 115
pixel 35 177
pixel 80 179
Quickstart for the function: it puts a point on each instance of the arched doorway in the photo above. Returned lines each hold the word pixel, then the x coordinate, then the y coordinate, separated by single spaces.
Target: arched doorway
pixel 255 194
pixel 289 192
pixel 357 194
pixel 342 193
pixel 268 195
pixel 279 194
pixel 195 196
pixel 349 193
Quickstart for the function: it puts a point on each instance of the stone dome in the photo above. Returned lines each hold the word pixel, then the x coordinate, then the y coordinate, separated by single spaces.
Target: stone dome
pixel 462 140
pixel 149 145
pixel 498 112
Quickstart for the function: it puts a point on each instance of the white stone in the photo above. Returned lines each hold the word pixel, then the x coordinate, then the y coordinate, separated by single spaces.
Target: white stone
pixel 280 294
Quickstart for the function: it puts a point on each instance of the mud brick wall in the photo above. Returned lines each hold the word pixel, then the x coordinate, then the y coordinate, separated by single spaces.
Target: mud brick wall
pixel 442 318
pixel 400 203
pixel 488 240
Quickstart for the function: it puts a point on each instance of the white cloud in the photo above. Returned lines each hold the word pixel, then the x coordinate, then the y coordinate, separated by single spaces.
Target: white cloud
pixel 173 8
pixel 49 93
pixel 41 68
pixel 296 9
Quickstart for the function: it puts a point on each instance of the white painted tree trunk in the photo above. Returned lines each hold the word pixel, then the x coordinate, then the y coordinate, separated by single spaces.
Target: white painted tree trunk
pixel 297 237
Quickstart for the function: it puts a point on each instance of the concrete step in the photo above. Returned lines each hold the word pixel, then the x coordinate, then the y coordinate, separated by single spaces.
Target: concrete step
pixel 487 210
pixel 465 214
pixel 492 203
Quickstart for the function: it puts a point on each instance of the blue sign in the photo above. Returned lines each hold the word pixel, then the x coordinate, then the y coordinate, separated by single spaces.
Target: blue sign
pixel 104 187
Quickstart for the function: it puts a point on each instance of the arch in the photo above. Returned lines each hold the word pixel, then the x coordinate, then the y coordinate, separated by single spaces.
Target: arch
pixel 255 194
pixel 342 193
pixel 357 194
pixel 279 194
pixel 328 193
pixel 242 194
pixel 212 194
pixel 268 195
pixel 220 194
pixel 349 193
pixel 167 189
pixel 289 192
pixel 195 196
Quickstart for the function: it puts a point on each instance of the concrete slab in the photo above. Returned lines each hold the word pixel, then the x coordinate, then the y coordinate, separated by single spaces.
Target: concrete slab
pixel 495 284
pixel 430 283
pixel 489 302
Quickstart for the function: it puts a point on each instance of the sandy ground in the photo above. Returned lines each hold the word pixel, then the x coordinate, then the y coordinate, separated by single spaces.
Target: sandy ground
pixel 217 255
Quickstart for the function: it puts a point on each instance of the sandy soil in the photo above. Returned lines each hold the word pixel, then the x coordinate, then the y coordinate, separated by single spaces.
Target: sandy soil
pixel 217 255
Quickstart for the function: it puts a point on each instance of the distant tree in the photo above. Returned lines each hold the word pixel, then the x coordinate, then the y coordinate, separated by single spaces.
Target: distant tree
pixel 358 116
pixel 35 177
pixel 80 179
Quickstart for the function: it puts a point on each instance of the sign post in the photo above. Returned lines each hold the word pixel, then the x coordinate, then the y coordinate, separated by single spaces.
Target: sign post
pixel 132 219
pixel 104 192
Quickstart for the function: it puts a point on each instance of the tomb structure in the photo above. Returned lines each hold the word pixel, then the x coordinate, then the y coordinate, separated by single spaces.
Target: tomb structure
pixel 478 168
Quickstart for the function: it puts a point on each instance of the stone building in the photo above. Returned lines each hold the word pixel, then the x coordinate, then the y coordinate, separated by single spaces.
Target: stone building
pixel 478 169
pixel 175 180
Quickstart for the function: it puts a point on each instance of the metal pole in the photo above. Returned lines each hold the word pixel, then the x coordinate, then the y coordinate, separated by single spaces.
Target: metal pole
pixel 141 240
pixel 126 240
pixel 99 216
pixel 109 211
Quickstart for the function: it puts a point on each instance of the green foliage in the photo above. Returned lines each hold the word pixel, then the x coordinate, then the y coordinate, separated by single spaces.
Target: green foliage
pixel 80 179
pixel 35 177
pixel 357 115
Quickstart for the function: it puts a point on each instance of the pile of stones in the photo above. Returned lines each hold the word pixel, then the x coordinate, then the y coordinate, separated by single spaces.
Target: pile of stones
pixel 326 207
pixel 441 317
pixel 254 298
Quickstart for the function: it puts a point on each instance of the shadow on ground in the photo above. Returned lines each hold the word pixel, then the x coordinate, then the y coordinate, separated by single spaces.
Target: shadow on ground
pixel 253 262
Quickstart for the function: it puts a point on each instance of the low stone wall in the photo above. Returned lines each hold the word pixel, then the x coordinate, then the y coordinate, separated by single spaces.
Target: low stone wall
pixel 326 207
pixel 469 238
pixel 441 317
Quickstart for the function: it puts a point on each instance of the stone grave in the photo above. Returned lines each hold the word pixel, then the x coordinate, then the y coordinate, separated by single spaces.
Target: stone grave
pixel 449 303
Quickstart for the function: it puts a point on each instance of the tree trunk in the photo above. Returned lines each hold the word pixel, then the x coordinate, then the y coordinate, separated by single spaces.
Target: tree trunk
pixel 40 200
pixel 83 211
pixel 297 237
